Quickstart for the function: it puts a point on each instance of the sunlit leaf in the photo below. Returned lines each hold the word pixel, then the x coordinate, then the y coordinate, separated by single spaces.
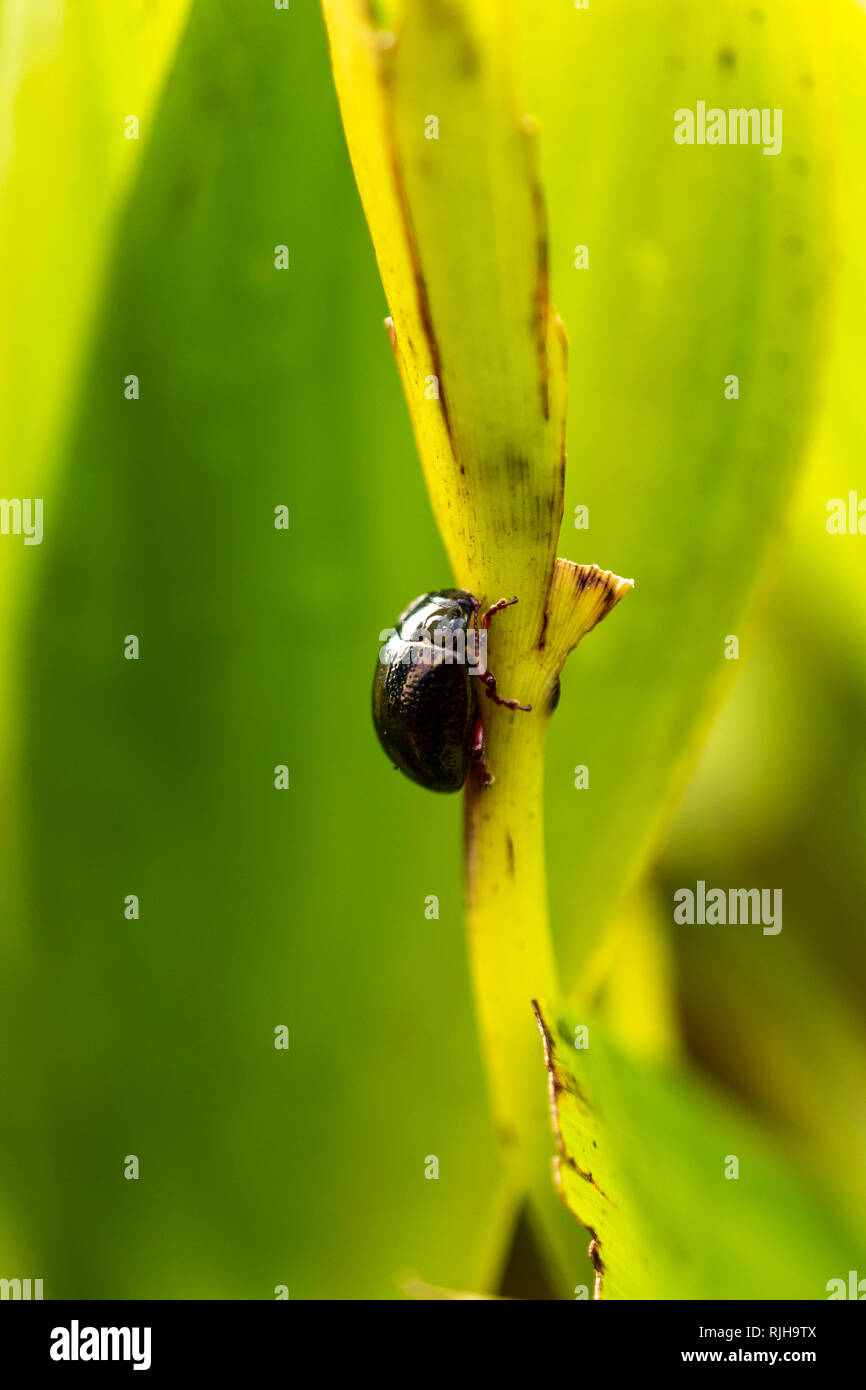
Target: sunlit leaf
pixel 703 262
pixel 259 387
pixel 71 73
pixel 682 1197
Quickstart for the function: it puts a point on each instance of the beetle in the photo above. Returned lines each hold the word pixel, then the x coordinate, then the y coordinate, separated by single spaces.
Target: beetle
pixel 425 703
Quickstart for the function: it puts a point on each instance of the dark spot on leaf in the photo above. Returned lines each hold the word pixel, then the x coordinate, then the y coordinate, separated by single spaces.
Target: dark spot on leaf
pixel 518 468
pixel 450 21
pixel 594 1253
pixel 727 58
pixel 507 1136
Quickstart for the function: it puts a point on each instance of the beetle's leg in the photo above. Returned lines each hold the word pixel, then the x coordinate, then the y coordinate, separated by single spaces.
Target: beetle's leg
pixel 495 608
pixel 492 694
pixel 477 752
pixel 486 675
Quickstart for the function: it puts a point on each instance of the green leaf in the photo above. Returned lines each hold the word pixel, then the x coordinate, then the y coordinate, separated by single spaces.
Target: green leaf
pixel 682 1196
pixel 433 127
pixel 69 77
pixel 839 446
pixel 703 262
pixel 446 170
pixel 445 162
pixel 305 907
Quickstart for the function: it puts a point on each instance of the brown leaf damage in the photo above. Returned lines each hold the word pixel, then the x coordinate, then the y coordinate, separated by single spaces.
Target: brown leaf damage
pixel 561 1082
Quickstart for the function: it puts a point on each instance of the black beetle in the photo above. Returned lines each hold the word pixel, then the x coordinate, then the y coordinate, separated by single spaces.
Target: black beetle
pixel 425 707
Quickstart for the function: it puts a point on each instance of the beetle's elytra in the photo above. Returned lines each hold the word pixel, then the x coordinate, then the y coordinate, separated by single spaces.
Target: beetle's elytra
pixel 425 705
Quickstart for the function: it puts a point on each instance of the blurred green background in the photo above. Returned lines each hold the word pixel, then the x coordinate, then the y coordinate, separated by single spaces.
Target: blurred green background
pixel 305 907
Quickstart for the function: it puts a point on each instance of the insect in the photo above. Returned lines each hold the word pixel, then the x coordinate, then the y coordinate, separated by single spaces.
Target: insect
pixel 425 703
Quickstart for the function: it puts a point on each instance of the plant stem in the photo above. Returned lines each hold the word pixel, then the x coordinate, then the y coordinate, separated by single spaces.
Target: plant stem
pixel 508 932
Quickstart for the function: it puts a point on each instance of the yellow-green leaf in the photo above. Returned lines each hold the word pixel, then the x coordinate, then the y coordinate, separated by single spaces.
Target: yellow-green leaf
pixel 704 262
pixel 681 1195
